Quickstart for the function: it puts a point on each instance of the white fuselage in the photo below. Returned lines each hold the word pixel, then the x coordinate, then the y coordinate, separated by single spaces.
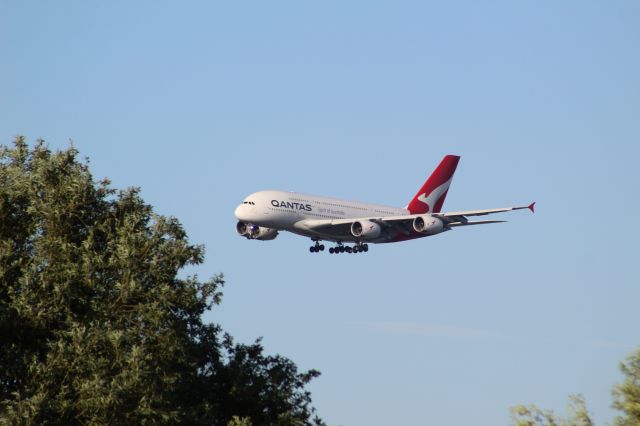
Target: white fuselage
pixel 283 210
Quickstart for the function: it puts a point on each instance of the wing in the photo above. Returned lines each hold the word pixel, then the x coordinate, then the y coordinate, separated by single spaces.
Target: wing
pixel 394 226
pixel 460 218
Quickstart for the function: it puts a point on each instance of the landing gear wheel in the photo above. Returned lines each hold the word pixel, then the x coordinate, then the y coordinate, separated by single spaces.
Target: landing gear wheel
pixel 331 250
pixel 317 247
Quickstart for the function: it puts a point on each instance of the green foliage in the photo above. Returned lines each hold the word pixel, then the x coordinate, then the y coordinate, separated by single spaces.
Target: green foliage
pixel 95 325
pixel 626 396
pixel 237 421
pixel 531 415
pixel 579 413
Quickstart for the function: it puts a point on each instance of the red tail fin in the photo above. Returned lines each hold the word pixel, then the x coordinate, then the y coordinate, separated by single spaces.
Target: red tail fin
pixel 432 194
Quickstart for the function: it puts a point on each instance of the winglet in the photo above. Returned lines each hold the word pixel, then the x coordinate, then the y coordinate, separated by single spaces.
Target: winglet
pixel 531 207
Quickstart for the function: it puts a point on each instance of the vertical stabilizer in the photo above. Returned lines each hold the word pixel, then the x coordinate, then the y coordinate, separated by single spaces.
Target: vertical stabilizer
pixel 432 194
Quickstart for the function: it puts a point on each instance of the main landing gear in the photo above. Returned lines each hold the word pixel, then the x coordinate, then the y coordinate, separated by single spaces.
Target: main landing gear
pixel 358 248
pixel 317 247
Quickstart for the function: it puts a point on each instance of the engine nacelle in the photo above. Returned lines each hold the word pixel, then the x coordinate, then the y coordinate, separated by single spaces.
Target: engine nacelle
pixel 366 230
pixel 428 225
pixel 254 232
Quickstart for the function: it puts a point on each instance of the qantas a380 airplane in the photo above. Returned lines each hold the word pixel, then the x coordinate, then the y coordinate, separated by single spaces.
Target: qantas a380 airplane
pixel 262 214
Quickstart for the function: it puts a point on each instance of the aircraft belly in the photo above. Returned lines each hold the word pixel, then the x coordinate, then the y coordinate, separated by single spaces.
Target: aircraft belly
pixel 301 229
pixel 320 235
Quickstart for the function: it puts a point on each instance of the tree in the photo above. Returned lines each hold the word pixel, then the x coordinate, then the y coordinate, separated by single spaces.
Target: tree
pixel 533 416
pixel 96 327
pixel 626 396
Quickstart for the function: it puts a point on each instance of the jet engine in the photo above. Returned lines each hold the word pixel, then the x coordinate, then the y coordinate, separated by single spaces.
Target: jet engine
pixel 254 232
pixel 366 230
pixel 428 225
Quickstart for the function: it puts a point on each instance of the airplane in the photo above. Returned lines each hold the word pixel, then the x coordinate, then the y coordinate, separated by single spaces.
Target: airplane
pixel 263 214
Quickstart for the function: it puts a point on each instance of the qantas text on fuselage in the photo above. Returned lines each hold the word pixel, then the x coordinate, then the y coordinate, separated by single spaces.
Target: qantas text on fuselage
pixel 263 214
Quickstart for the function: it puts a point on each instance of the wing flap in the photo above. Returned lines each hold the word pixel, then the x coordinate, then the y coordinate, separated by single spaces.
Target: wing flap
pixel 476 222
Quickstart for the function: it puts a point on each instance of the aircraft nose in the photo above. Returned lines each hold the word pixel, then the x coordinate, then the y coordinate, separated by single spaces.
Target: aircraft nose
pixel 241 212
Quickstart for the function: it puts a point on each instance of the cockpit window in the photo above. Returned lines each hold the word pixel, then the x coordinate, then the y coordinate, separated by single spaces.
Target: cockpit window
pixel 249 202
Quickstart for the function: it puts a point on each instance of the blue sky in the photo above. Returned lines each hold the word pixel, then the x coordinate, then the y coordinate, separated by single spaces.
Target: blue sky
pixel 201 103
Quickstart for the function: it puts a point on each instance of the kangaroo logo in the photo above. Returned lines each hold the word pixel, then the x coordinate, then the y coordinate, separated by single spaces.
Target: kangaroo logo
pixel 431 199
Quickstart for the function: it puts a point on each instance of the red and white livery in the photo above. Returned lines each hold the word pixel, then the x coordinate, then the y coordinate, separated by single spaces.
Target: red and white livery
pixel 263 214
